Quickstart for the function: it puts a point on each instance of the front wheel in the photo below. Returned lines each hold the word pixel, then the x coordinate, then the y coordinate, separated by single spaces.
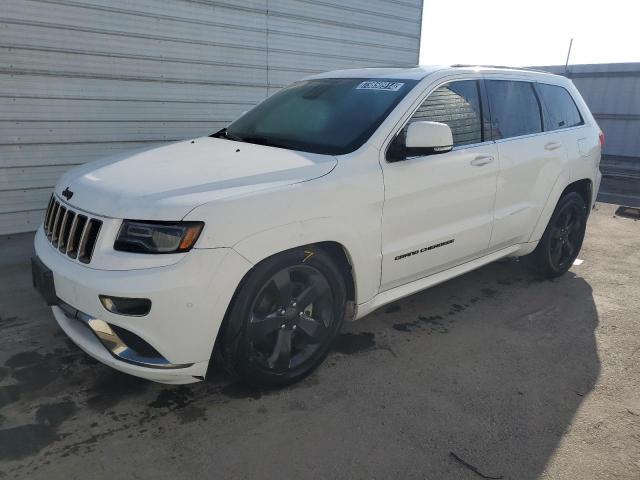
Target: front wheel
pixel 284 317
pixel 562 239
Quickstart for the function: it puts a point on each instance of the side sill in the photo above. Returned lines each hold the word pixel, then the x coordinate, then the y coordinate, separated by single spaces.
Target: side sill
pixel 407 289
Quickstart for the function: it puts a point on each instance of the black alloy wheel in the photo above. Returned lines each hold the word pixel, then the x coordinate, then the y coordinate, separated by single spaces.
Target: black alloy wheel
pixel 290 318
pixel 562 239
pixel 565 236
pixel 284 317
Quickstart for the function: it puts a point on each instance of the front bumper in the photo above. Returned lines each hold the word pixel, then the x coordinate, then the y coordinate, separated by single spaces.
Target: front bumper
pixel 77 328
pixel 120 343
pixel 189 299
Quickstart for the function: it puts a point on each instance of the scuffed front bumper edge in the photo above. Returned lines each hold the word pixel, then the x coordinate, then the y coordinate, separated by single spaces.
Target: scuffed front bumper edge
pixel 90 344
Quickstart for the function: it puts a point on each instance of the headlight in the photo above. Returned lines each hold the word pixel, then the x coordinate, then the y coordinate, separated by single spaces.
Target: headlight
pixel 157 237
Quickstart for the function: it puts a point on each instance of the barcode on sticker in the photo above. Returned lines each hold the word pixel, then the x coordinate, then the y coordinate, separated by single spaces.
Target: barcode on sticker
pixel 380 85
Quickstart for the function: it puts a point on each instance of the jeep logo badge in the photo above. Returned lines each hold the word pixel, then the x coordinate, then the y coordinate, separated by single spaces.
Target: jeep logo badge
pixel 66 193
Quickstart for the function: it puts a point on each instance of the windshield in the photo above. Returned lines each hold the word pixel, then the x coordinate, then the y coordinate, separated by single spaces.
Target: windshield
pixel 331 116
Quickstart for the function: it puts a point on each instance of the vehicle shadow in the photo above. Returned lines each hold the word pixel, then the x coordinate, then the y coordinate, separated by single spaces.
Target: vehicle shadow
pixel 496 362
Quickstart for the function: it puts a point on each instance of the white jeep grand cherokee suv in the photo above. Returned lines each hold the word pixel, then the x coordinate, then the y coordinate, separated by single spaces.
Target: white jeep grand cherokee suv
pixel 342 192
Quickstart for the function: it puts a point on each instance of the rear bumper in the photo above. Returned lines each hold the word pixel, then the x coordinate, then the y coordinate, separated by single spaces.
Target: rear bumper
pixel 188 303
pixel 596 188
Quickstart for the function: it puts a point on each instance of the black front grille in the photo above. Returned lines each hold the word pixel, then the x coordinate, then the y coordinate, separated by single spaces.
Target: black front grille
pixel 72 233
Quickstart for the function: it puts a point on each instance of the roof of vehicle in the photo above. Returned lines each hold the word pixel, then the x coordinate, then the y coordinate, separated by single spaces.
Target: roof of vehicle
pixel 420 71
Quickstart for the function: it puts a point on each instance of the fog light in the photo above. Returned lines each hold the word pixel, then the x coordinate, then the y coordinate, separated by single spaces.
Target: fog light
pixel 135 307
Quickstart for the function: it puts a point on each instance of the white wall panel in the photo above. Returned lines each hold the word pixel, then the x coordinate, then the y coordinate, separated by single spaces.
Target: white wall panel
pixel 300 28
pixel 44 154
pixel 29 177
pixel 80 80
pixel 31 109
pixel 345 15
pixel 22 220
pixel 21 200
pixel 52 85
pixel 103 66
pixel 53 131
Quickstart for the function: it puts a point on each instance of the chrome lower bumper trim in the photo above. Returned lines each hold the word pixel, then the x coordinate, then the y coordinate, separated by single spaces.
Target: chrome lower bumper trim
pixel 113 343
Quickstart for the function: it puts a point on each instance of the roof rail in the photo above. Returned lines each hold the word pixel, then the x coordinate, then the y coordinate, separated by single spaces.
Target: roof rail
pixel 528 69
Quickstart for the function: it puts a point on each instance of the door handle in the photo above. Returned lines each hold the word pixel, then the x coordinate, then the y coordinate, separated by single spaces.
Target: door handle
pixel 552 145
pixel 481 160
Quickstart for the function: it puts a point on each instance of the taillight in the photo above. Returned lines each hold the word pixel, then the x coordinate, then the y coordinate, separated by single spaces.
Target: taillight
pixel 601 136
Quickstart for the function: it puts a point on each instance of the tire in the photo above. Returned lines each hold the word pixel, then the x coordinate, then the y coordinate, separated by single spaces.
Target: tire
pixel 284 317
pixel 562 239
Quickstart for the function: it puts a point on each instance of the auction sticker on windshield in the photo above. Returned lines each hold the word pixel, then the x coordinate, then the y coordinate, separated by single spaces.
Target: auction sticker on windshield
pixel 380 85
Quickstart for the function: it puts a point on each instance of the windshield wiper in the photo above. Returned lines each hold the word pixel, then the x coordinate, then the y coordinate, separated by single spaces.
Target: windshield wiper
pixel 263 141
pixel 224 133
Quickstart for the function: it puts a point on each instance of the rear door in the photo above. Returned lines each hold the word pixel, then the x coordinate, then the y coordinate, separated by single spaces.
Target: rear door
pixel 438 208
pixel 562 116
pixel 530 159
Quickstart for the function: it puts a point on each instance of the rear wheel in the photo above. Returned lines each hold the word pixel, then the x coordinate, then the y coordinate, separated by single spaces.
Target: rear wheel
pixel 562 239
pixel 284 317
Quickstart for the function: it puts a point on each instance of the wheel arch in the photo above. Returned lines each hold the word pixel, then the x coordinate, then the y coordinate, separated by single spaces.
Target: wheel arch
pixel 358 257
pixel 340 255
pixel 335 250
pixel 583 187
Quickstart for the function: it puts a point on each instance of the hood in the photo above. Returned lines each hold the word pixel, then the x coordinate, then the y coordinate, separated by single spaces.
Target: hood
pixel 165 183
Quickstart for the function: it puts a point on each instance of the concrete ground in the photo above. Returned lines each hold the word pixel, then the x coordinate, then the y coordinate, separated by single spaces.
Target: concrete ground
pixel 493 374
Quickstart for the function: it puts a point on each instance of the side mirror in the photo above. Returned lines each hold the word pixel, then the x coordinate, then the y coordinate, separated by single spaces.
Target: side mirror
pixel 421 138
pixel 424 138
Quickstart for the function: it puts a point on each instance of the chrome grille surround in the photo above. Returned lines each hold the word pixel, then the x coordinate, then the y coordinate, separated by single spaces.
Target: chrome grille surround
pixel 72 233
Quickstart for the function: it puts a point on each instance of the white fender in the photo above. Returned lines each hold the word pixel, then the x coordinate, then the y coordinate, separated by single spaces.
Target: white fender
pixel 364 257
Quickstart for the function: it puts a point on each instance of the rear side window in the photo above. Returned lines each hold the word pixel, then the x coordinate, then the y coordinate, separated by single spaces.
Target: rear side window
pixel 514 109
pixel 560 109
pixel 458 105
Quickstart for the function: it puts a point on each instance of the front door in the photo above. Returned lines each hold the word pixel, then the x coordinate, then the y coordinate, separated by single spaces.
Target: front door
pixel 438 209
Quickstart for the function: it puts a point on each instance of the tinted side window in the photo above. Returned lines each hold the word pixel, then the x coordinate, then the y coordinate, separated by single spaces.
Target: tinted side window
pixel 560 109
pixel 514 109
pixel 458 105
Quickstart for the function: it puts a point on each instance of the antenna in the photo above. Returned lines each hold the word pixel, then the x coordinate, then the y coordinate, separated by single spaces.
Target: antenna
pixel 566 64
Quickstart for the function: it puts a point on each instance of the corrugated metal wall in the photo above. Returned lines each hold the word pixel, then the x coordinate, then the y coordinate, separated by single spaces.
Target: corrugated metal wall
pixel 612 91
pixel 80 80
